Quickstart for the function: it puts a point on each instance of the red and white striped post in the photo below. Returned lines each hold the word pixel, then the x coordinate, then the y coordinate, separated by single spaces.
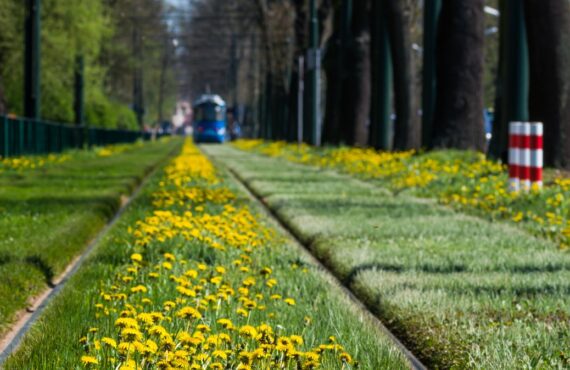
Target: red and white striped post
pixel 525 155
pixel 536 159
pixel 515 131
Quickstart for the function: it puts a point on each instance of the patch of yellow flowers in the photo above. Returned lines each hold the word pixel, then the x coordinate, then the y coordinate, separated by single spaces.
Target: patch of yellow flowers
pixel 215 305
pixel 110 150
pixel 31 162
pixel 464 180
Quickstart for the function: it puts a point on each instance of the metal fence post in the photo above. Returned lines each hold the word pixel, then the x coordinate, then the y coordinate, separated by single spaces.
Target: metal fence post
pixel 21 136
pixel 6 137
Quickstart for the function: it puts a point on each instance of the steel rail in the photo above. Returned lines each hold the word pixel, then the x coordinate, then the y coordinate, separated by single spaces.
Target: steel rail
pixel 17 334
pixel 415 363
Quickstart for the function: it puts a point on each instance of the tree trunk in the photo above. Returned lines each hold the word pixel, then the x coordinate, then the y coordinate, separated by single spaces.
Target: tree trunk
pixel 548 30
pixel 356 90
pixel 407 130
pixel 331 125
pixel 333 63
pixel 458 118
pixel 300 45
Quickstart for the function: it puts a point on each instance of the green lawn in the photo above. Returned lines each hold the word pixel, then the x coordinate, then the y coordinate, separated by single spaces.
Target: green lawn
pixel 50 213
pixel 54 340
pixel 463 292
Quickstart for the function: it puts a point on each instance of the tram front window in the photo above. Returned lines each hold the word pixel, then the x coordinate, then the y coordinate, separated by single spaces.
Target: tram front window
pixel 209 112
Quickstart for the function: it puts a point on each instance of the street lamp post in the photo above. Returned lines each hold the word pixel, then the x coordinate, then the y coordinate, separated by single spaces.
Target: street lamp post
pixel 32 92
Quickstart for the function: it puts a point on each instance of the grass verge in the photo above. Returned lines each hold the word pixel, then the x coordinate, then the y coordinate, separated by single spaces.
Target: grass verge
pixel 52 206
pixel 463 292
pixel 200 281
pixel 464 180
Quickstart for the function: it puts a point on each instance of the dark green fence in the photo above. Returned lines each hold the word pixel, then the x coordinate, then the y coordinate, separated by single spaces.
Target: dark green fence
pixel 20 136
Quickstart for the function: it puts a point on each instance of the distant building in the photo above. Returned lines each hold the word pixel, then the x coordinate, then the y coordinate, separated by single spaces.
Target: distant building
pixel 182 118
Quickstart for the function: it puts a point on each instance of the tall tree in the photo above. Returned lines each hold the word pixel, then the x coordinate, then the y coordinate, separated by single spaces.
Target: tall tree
pixel 334 66
pixel 548 29
pixel 356 101
pixel 458 118
pixel 407 130
pixel 300 29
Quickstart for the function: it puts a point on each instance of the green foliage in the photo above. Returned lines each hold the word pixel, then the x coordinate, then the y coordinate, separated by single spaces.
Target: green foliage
pixel 101 112
pixel 99 30
pixel 65 204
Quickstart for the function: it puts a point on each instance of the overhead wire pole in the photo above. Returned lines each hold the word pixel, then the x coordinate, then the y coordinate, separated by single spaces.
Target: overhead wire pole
pixel 381 79
pixel 32 91
pixel 78 104
pixel 432 9
pixel 313 67
pixel 300 94
pixel 138 98
pixel 79 99
pixel 234 70
pixel 513 81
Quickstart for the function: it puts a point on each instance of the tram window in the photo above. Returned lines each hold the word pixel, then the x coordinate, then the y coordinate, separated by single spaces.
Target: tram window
pixel 209 112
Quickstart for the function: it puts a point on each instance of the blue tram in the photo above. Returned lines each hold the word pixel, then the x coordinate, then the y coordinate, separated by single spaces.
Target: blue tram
pixel 209 124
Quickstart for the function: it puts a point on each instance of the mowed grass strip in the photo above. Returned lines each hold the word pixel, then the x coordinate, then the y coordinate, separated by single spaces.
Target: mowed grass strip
pixel 49 214
pixel 461 291
pixel 320 310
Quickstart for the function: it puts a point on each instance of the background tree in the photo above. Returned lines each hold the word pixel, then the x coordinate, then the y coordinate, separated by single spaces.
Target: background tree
pixel 401 22
pixel 548 30
pixel 334 61
pixel 100 32
pixel 300 42
pixel 140 41
pixel 355 111
pixel 458 118
pixel 242 51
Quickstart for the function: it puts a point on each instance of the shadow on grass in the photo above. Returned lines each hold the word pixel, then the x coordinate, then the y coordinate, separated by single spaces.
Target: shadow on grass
pixel 105 205
pixel 43 267
pixel 450 269
pixel 320 207
pixel 544 289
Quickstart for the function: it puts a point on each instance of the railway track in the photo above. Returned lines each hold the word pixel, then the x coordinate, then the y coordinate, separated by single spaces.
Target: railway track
pixel 415 363
pixel 10 342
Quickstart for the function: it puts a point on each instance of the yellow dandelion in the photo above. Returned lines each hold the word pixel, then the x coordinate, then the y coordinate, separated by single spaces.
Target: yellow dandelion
pixel 89 360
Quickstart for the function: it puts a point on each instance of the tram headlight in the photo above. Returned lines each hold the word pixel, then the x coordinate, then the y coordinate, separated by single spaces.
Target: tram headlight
pixel 222 131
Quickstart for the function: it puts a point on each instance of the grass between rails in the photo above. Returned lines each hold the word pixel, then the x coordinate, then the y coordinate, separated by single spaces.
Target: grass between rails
pixel 464 180
pixel 462 291
pixel 52 206
pixel 200 282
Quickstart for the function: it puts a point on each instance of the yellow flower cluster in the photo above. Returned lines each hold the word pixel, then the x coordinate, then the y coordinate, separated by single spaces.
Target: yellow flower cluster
pixel 198 293
pixel 463 180
pixel 32 162
pixel 110 150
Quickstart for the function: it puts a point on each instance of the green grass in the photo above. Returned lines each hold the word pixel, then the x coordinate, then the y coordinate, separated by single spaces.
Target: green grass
pixel 54 341
pixel 49 214
pixel 463 292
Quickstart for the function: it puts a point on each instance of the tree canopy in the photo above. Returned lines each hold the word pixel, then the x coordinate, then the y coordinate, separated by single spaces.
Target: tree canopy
pixel 101 32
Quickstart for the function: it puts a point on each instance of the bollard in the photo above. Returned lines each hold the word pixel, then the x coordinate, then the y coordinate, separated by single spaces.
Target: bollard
pixel 515 131
pixel 524 157
pixel 536 160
